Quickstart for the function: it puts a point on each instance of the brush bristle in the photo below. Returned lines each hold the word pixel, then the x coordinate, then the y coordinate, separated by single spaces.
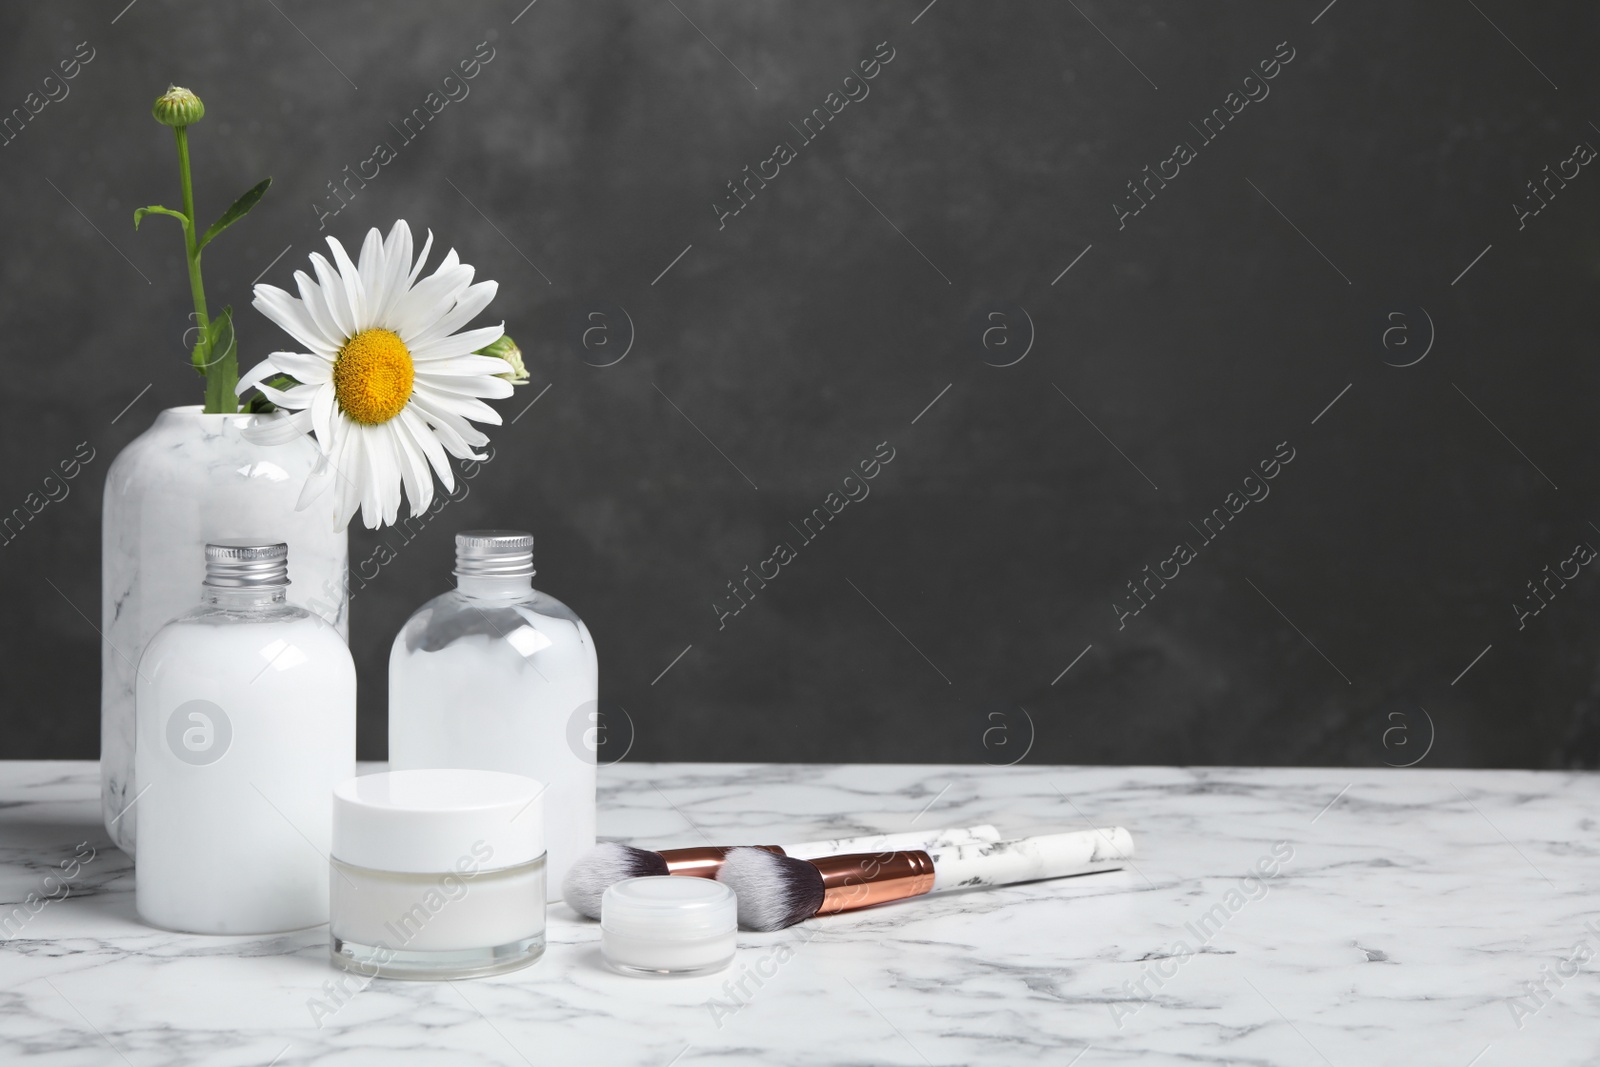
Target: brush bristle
pixel 602 867
pixel 774 892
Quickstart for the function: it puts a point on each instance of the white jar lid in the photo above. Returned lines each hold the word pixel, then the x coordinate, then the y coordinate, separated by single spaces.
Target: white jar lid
pixel 438 820
pixel 667 907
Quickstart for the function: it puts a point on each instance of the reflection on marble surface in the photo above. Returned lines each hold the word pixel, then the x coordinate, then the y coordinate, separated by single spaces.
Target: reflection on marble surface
pixel 1273 916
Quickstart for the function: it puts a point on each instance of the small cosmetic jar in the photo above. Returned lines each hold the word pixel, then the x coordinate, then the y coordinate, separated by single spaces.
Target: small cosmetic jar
pixel 437 874
pixel 668 925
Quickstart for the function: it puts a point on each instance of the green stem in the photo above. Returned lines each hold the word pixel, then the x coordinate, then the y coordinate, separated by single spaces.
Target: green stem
pixel 220 373
pixel 196 287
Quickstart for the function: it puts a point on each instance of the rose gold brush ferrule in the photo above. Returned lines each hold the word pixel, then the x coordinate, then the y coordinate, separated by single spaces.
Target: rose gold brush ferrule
pixel 704 861
pixel 869 878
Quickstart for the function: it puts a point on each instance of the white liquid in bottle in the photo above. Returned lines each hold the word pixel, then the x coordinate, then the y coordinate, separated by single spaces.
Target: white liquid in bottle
pixel 497 676
pixel 245 712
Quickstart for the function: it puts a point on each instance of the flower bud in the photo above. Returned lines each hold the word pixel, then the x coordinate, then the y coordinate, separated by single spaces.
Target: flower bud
pixel 178 107
pixel 505 348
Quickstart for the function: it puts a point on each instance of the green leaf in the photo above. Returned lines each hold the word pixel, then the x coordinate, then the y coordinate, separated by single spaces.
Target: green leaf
pixel 241 207
pixel 201 355
pixel 220 329
pixel 222 364
pixel 157 209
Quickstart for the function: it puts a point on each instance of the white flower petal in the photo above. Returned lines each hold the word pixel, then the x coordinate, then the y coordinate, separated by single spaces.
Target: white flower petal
pixel 394 460
pixel 460 344
pixel 299 396
pixel 472 301
pixel 465 406
pixel 414 472
pixel 324 413
pixel 322 475
pixel 351 473
pixel 397 255
pixel 455 433
pixel 429 300
pixel 359 468
pixel 255 374
pixel 304 368
pixel 355 293
pixel 277 428
pixel 382 454
pixel 356 476
pixel 488 388
pixel 334 297
pixel 458 366
pixel 313 300
pixel 416 269
pixel 293 317
pixel 382 480
pixel 374 266
pixel 417 427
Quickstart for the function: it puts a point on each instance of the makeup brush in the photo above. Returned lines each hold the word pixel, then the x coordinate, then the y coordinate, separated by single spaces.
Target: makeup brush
pixel 776 891
pixel 609 863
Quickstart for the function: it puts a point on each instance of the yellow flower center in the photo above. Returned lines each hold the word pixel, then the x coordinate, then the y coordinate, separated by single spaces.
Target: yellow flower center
pixel 372 376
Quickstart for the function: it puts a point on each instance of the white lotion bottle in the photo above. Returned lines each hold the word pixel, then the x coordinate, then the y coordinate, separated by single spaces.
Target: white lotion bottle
pixel 498 676
pixel 245 720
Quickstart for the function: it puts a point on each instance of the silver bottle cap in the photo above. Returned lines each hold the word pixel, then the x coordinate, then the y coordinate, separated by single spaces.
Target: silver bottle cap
pixel 494 554
pixel 246 565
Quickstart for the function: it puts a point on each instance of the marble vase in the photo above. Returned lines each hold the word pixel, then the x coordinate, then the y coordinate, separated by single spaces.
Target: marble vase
pixel 189 479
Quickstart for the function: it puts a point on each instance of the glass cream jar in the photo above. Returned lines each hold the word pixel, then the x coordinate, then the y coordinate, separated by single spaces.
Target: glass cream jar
pixel 437 874
pixel 668 925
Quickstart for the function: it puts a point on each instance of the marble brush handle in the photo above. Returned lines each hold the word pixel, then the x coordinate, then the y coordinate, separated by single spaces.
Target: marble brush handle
pixel 927 840
pixel 1030 858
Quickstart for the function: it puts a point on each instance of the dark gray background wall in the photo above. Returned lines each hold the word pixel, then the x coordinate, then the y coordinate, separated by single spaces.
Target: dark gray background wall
pixel 1360 613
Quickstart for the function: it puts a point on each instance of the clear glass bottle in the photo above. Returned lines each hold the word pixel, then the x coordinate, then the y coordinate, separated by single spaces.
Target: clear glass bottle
pixel 498 676
pixel 245 720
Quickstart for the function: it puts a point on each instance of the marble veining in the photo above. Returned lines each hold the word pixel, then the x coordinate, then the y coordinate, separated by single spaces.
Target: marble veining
pixel 1271 916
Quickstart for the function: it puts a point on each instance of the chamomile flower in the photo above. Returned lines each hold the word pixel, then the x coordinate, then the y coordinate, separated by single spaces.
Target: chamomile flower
pixel 389 383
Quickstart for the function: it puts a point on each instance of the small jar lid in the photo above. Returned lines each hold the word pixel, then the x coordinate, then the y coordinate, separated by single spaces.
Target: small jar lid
pixel 667 907
pixel 438 820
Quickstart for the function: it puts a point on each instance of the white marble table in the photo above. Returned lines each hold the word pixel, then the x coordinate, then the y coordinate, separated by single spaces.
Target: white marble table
pixel 1409 915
